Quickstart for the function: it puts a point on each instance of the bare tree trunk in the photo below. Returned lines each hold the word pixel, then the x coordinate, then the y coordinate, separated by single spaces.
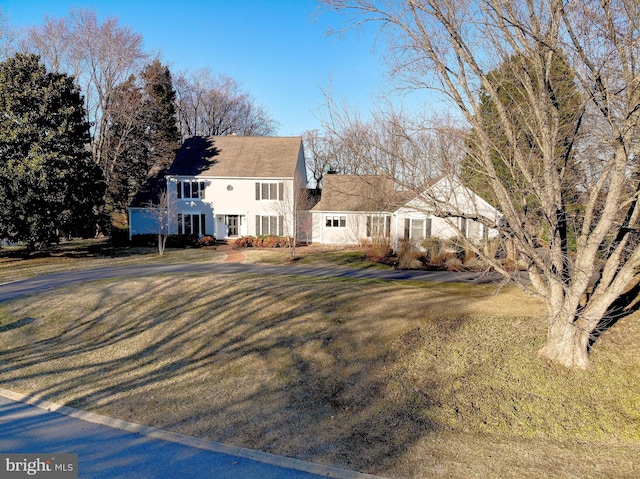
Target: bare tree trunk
pixel 550 92
pixel 567 340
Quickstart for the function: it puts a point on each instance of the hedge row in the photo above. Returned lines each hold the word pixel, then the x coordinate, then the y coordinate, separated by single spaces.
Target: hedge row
pixel 174 241
pixel 263 242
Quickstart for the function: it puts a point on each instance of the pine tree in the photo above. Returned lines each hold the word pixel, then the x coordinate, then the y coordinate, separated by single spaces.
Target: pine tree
pixel 163 137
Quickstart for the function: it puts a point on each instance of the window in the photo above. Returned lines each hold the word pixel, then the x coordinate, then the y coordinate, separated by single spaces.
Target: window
pixel 417 229
pixel 269 191
pixel 190 189
pixel 192 224
pixel 269 225
pixel 336 221
pixel 378 226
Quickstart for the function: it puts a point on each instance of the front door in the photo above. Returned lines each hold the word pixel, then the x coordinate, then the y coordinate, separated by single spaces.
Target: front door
pixel 232 225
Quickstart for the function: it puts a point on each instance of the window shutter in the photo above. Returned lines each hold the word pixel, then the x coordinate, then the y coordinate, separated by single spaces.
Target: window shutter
pixel 201 184
pixel 407 228
pixel 179 189
pixel 257 192
pixel 180 228
pixel 387 221
pixel 281 191
pixel 427 233
pixel 368 226
pixel 281 224
pixel 203 220
pixel 257 216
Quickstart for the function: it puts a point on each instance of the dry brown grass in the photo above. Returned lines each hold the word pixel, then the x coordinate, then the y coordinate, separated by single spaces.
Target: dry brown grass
pixel 395 379
pixel 16 264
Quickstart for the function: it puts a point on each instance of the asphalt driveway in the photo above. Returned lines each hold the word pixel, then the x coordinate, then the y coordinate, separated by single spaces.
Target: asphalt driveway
pixel 56 280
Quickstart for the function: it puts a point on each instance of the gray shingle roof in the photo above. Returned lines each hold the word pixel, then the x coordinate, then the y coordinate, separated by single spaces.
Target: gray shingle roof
pixel 149 192
pixel 357 193
pixel 238 156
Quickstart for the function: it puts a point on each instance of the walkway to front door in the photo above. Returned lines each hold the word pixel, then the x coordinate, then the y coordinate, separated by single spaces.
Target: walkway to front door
pixel 234 255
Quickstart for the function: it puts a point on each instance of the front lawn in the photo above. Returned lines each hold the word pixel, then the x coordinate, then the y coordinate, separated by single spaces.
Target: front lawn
pixel 401 380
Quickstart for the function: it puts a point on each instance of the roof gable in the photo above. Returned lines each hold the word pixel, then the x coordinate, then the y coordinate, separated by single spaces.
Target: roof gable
pixel 238 156
pixel 447 196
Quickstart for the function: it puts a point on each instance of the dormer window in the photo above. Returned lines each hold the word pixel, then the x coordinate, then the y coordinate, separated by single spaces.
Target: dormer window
pixel 190 189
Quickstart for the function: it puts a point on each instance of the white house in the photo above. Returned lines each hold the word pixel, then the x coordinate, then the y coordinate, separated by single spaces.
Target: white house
pixel 354 209
pixel 225 186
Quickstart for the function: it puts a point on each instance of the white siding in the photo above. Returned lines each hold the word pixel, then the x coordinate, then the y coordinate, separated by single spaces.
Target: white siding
pixel 143 221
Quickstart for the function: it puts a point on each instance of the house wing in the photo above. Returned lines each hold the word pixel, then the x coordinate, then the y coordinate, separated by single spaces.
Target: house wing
pixel 445 196
pixel 356 193
pixel 238 156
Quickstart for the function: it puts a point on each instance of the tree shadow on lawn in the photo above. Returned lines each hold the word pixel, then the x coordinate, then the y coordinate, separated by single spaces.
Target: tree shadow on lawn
pixel 291 367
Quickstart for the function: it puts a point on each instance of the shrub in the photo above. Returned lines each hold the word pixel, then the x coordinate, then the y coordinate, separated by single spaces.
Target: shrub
pixel 244 242
pixel 431 246
pixel 119 236
pixel 270 242
pixel 379 249
pixel 453 263
pixel 207 240
pixel 476 264
pixel 182 241
pixel 263 242
pixel 408 256
pixel 144 240
pixel 457 248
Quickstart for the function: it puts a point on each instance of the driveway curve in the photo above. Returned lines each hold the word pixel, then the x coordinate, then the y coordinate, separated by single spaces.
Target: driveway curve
pixel 57 280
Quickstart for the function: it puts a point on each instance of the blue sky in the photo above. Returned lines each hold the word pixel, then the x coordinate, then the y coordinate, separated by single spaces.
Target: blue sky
pixel 276 49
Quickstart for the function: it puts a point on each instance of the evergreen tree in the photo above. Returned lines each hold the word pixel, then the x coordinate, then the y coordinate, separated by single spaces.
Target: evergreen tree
pixel 143 133
pixel 513 86
pixel 49 185
pixel 163 137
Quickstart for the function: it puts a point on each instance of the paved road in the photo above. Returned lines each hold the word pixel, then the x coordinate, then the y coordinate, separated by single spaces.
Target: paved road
pixel 109 452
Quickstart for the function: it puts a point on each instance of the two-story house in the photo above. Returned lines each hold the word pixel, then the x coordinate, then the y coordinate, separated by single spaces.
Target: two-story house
pixel 227 187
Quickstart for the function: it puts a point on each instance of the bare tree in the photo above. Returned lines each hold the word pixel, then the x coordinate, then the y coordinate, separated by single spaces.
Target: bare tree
pixel 294 209
pixel 161 211
pixel 100 56
pixel 320 157
pixel 452 46
pixel 8 37
pixel 216 105
pixel 391 144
